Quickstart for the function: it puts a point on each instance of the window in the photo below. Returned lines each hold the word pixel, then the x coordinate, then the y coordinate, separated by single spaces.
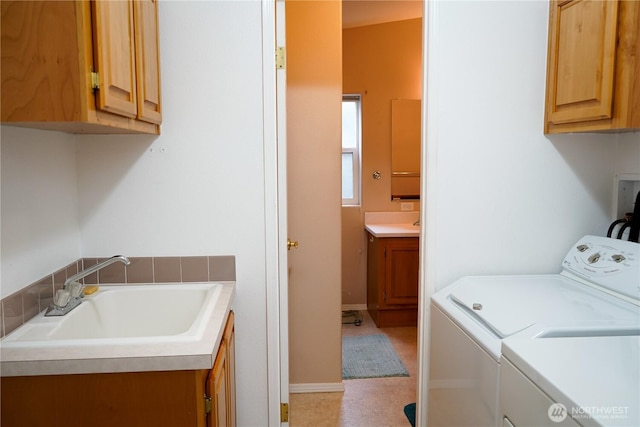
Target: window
pixel 351 149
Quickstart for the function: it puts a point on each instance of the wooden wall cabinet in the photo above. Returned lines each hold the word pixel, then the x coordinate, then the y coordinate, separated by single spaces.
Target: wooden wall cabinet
pixel 81 66
pixel 593 66
pixel 392 280
pixel 198 398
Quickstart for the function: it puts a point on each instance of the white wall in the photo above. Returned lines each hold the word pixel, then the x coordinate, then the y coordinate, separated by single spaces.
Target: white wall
pixel 506 198
pixel 197 189
pixel 501 197
pixel 628 154
pixel 40 231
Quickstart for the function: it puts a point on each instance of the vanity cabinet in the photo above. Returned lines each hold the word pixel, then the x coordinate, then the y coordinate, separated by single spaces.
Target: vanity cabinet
pixel 392 280
pixel 81 66
pixel 149 398
pixel 593 72
pixel 221 383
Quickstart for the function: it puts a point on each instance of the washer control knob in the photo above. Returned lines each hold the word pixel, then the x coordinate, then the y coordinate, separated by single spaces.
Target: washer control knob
pixel 582 248
pixel 594 258
pixel 477 306
pixel 618 258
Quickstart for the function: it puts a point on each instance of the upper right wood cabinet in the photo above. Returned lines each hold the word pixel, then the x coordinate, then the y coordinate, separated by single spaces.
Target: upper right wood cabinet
pixel 593 66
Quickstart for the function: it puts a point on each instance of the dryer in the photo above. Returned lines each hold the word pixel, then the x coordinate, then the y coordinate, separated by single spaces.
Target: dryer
pixel 559 376
pixel 598 287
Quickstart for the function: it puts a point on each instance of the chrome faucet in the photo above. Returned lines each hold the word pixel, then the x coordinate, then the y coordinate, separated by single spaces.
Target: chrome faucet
pixel 70 296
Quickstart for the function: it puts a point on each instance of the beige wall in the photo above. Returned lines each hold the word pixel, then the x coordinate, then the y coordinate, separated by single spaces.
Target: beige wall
pixel 381 62
pixel 314 96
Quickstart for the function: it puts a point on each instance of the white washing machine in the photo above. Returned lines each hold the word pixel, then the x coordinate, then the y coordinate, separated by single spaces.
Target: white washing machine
pixel 598 288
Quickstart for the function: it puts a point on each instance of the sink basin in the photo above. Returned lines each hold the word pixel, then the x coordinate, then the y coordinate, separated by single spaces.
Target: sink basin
pixel 392 224
pixel 119 312
pixel 393 230
pixel 136 312
pixel 124 328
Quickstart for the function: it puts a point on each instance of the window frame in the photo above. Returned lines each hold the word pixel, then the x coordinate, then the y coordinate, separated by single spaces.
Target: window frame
pixel 355 152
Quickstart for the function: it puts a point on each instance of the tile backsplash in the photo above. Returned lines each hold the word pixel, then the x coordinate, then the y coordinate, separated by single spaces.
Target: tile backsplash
pixel 29 301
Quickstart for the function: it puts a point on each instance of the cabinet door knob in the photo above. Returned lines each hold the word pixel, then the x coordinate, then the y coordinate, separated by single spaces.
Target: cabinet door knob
pixel 291 244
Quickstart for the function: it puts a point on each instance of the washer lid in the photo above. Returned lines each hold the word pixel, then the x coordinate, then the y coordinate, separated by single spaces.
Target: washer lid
pixel 509 304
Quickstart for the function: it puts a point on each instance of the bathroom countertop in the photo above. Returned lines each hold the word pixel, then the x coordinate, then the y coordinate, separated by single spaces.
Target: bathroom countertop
pixel 393 230
pixel 70 358
pixel 392 224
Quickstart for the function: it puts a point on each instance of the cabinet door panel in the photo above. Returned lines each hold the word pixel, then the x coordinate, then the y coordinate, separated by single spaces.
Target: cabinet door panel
pixel 115 56
pixel 216 388
pixel 147 61
pixel 230 341
pixel 402 262
pixel 582 60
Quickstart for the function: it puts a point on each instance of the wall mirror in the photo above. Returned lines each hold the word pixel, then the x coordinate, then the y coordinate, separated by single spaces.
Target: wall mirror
pixel 405 149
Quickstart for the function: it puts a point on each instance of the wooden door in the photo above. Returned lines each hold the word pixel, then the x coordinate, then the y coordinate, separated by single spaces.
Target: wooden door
pixel 114 56
pixel 147 61
pixel 581 63
pixel 401 275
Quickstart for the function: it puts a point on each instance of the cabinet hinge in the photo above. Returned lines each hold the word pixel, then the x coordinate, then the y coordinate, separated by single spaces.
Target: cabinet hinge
pixel 95 80
pixel 284 412
pixel 207 404
pixel 280 57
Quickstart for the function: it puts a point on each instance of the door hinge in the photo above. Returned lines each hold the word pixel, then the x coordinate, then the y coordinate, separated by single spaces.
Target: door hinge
pixel 284 412
pixel 95 80
pixel 280 57
pixel 207 404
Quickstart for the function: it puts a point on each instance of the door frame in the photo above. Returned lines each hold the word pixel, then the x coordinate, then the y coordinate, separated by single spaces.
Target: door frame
pixel 428 198
pixel 275 172
pixel 275 205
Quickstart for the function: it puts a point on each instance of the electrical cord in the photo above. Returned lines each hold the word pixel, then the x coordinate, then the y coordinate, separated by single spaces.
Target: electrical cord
pixel 634 233
pixel 623 228
pixel 613 225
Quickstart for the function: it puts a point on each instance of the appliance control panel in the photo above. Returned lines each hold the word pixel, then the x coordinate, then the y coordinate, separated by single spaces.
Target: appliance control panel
pixel 609 263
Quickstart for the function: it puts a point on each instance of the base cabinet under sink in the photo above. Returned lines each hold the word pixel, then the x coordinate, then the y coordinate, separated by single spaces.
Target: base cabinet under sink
pixel 198 398
pixel 220 385
pixel 392 280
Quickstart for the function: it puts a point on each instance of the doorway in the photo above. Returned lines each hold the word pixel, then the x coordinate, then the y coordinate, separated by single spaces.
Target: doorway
pixel 382 63
pixel 314 92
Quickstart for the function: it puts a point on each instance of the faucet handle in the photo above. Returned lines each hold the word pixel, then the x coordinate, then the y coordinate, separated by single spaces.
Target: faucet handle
pixel 61 298
pixel 75 289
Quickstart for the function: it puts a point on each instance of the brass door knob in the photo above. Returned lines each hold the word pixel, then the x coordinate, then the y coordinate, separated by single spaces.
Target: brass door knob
pixel 291 244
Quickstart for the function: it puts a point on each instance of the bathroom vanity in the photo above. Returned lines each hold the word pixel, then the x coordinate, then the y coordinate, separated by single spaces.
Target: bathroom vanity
pixel 186 378
pixel 392 272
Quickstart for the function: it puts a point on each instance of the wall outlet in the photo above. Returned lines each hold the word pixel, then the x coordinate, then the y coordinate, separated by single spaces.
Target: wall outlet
pixel 625 191
pixel 406 206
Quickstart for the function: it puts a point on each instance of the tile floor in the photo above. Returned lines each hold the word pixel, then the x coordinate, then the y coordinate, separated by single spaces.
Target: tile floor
pixel 370 402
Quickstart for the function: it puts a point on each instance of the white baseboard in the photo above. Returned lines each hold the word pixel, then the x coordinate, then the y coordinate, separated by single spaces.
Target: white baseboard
pixel 316 388
pixel 357 307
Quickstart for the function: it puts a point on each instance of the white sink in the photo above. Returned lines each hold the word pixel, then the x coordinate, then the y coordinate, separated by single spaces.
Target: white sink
pixel 124 328
pixel 116 312
pixel 392 224
pixel 136 311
